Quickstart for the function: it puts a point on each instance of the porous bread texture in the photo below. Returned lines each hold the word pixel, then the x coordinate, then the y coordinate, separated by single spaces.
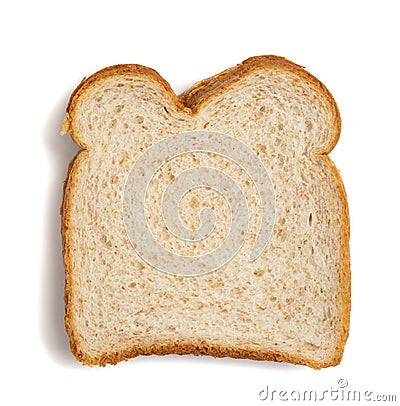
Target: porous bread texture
pixel 292 304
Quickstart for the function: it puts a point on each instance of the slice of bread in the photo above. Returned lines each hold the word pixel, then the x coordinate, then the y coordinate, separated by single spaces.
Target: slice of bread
pixel 250 144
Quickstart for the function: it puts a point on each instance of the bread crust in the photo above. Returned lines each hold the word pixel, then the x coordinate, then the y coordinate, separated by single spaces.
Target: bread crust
pixel 191 102
pixel 200 348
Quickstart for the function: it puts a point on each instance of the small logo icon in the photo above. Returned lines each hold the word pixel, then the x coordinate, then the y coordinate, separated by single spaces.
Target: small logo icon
pixel 152 161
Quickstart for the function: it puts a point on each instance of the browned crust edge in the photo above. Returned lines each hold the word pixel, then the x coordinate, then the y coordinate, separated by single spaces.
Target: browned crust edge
pixel 65 221
pixel 200 348
pixel 191 101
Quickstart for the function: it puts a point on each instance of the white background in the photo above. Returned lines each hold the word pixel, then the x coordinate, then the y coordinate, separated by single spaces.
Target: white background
pixel 46 49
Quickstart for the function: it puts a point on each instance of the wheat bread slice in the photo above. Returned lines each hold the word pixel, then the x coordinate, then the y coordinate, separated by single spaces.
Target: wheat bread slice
pixel 292 303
